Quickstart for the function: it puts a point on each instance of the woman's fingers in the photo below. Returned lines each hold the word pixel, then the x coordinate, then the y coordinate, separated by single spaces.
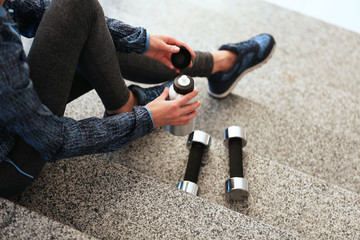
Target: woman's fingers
pixel 174 41
pixel 185 119
pixel 190 108
pixel 185 99
pixel 174 112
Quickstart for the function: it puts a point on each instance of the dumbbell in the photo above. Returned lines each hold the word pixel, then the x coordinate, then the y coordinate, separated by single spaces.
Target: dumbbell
pixel 197 142
pixel 237 186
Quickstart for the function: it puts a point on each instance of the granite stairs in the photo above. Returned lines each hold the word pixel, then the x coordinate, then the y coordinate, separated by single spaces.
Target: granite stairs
pixel 302 114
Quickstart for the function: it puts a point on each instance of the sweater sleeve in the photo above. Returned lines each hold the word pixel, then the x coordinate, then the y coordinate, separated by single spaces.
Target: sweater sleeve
pixel 61 137
pixel 22 113
pixel 128 38
pixel 28 14
pixel 94 135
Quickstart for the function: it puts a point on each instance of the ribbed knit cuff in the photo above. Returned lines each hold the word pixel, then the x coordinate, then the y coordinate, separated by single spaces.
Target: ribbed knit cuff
pixel 147 42
pixel 150 114
pixel 202 65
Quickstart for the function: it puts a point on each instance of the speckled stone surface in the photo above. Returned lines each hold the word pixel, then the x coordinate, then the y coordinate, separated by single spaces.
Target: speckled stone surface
pixel 302 114
pixel 272 134
pixel 285 138
pixel 17 222
pixel 330 108
pixel 109 201
pixel 280 196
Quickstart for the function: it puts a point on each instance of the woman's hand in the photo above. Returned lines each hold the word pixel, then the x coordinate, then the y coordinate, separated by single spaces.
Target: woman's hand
pixel 161 47
pixel 173 112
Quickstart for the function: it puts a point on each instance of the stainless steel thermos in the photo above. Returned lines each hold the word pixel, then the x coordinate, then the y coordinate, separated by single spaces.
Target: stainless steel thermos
pixel 182 85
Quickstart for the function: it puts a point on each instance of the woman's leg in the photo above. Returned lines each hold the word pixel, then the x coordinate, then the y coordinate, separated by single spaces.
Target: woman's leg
pixel 224 68
pixel 142 69
pixel 72 34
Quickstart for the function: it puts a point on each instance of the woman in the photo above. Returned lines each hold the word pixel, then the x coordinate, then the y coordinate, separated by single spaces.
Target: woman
pixel 76 49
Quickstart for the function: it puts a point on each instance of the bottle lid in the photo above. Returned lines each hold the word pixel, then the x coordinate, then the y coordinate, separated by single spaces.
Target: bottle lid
pixel 183 84
pixel 181 59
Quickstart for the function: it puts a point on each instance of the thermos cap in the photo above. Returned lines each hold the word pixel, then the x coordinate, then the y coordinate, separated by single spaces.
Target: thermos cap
pixel 183 84
pixel 181 59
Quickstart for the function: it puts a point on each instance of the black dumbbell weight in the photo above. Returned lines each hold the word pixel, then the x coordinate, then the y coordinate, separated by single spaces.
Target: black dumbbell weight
pixel 198 141
pixel 237 186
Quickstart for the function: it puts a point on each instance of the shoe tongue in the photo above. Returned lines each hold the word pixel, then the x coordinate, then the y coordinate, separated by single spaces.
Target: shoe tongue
pixel 183 84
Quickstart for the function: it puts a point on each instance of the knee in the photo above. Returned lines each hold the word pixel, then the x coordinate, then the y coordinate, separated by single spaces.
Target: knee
pixel 88 9
pixel 91 7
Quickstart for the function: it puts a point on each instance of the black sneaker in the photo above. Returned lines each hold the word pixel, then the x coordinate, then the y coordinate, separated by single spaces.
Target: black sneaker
pixel 251 54
pixel 146 95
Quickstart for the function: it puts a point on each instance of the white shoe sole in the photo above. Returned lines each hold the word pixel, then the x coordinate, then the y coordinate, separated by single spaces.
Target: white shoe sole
pixel 227 92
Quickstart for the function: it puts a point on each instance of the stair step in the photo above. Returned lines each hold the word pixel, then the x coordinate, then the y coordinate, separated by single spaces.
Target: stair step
pixel 329 155
pixel 307 98
pixel 17 222
pixel 287 138
pixel 280 195
pixel 109 201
